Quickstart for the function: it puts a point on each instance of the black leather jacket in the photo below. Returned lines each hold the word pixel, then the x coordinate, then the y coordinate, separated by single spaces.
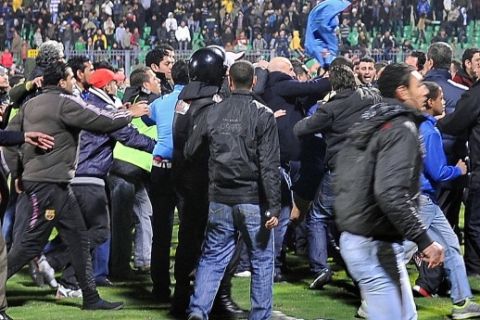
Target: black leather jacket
pixel 377 176
pixel 244 162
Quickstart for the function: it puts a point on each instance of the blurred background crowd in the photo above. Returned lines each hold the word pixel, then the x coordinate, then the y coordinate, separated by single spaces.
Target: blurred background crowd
pixel 383 29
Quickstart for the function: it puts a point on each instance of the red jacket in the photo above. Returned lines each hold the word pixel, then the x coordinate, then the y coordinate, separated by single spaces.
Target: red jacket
pixel 461 77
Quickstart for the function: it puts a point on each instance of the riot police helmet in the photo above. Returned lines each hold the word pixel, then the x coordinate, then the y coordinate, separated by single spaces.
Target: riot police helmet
pixel 207 65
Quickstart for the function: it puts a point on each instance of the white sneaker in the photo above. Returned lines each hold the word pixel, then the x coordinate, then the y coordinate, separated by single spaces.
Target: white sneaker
pixel 63 292
pixel 243 274
pixel 362 311
pixel 47 272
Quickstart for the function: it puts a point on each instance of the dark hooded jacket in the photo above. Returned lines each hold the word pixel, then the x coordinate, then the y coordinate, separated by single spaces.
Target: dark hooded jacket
pixel 377 176
pixel 334 118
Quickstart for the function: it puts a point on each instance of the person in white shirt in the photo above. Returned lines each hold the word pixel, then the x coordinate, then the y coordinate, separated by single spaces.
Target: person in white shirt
pixel 183 36
pixel 171 22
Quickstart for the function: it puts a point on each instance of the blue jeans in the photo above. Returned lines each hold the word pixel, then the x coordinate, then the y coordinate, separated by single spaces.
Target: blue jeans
pixel 440 231
pixel 224 221
pixel 100 260
pixel 318 221
pixel 380 271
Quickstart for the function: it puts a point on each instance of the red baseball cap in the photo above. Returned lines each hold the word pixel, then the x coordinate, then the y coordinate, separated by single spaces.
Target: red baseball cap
pixel 101 77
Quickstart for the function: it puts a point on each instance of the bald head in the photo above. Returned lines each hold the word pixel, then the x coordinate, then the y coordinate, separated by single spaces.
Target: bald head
pixel 281 64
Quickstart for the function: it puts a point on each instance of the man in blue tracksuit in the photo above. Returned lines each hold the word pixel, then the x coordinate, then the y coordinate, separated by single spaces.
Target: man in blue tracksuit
pixel 162 190
pixel 437 170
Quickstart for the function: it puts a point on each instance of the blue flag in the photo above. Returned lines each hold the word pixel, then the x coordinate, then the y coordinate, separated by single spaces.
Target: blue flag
pixel 320 39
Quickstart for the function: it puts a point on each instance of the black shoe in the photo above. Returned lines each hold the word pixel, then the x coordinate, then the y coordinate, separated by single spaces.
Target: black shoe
pixel 105 282
pixel 279 277
pixel 321 279
pixel 4 316
pixel 194 317
pixel 161 297
pixel 177 313
pixel 103 305
pixel 225 308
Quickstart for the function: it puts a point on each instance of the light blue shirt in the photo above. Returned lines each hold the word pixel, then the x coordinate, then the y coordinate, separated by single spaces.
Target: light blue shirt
pixel 162 111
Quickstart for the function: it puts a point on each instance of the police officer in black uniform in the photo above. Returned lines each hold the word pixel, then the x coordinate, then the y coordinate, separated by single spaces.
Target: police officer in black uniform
pixel 207 71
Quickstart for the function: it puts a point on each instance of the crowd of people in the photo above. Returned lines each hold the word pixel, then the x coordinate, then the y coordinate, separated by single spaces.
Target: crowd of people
pixel 365 160
pixel 368 159
pixel 276 27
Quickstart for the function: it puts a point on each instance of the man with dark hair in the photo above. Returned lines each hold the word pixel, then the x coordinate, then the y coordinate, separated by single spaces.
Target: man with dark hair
pixel 94 161
pixel 435 170
pixel 161 60
pixel 380 161
pixel 283 92
pixel 238 193
pixel 10 138
pixel 162 192
pixel 301 71
pixel 450 194
pixel 416 59
pixel 46 176
pixel 82 68
pixel 207 72
pixel 139 76
pixel 464 121
pixel 470 61
pixel 128 182
pixel 366 71
pixel 439 58
pixel 332 119
pixel 342 61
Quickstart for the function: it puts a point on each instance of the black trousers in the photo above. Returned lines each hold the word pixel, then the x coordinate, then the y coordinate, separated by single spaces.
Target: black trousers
pixel 54 205
pixel 164 200
pixel 93 202
pixel 122 197
pixel 472 226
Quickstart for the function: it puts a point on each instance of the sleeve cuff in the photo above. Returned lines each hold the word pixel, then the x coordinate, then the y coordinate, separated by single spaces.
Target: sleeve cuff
pixel 423 241
pixel 458 172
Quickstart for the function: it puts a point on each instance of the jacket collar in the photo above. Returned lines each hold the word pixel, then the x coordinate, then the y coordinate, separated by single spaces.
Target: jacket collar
pixel 242 92
pixel 430 118
pixel 376 116
pixel 438 73
pixel 54 89
pixel 102 95
pixel 278 76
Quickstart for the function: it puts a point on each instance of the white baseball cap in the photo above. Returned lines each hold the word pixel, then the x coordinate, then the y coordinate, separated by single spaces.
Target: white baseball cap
pixel 231 57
